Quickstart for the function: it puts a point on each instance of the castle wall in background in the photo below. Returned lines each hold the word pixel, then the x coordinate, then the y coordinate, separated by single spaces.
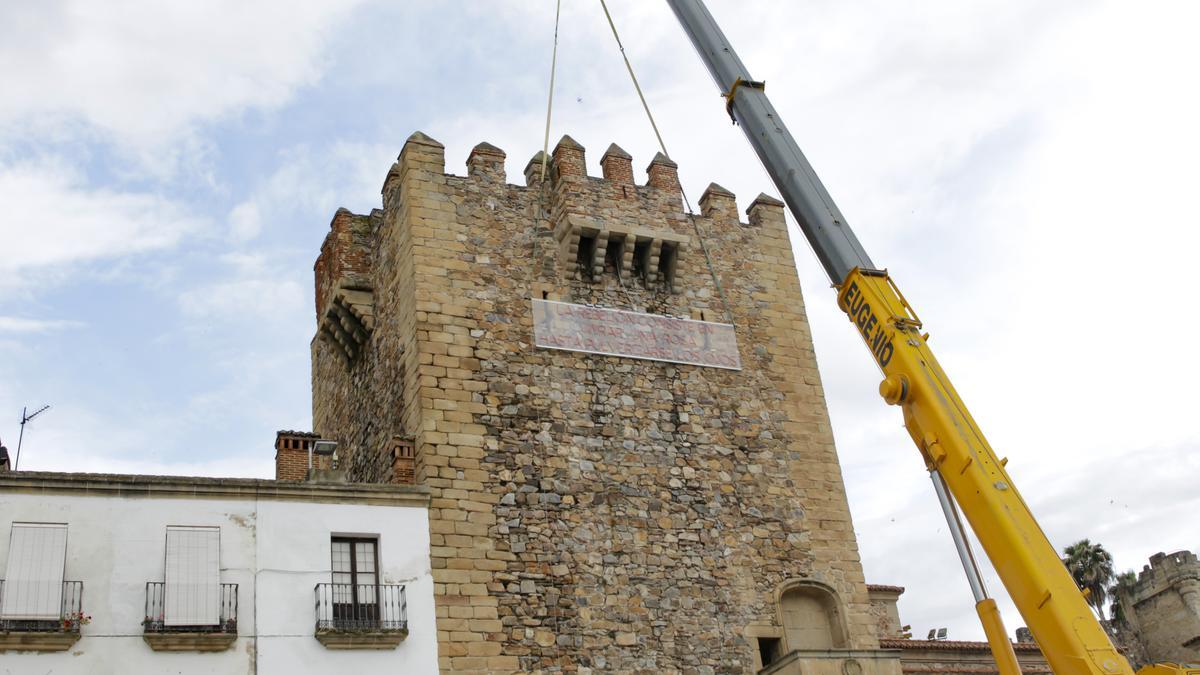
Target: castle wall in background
pixel 1163 609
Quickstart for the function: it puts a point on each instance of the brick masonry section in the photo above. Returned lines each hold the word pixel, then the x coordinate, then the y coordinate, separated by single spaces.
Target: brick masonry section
pixel 291 455
pixel 590 513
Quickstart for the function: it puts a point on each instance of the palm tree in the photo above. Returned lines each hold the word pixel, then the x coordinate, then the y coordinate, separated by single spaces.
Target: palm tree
pixel 1125 581
pixel 1092 568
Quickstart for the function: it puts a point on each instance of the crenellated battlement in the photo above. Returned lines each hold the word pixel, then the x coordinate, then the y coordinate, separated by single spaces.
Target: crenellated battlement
pixel 638 233
pixel 566 174
pixel 1166 570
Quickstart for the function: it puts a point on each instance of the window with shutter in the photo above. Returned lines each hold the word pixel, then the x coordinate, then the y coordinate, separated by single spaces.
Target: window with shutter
pixel 193 577
pixel 33 578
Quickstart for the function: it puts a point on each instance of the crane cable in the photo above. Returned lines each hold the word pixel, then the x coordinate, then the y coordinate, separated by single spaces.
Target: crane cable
pixel 550 96
pixel 663 146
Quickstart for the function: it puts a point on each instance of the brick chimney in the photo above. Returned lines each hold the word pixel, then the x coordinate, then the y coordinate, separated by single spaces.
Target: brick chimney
pixel 291 455
pixel 404 462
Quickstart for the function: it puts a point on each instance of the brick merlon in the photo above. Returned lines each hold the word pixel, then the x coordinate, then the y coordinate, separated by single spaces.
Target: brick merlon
pixel 617 165
pixel 663 173
pixel 661 159
pixel 617 151
pixel 567 142
pixel 568 159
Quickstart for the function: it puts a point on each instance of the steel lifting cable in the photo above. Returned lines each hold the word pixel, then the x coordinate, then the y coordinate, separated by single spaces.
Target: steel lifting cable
pixel 663 146
pixel 550 96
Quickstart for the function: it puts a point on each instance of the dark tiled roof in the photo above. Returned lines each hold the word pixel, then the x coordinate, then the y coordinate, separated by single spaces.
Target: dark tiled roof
pixel 952 645
pixel 129 485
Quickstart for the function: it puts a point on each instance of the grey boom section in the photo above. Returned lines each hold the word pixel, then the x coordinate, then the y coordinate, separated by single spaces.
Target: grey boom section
pixel 822 223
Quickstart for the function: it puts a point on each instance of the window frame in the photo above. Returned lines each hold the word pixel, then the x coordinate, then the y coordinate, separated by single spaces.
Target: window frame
pixel 351 541
pixel 182 610
pixel 25 572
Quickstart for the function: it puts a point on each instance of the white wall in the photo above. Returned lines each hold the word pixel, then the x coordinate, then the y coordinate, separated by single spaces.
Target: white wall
pixel 276 551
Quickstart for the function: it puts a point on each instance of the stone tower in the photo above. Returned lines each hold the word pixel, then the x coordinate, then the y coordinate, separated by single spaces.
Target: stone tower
pixel 1163 608
pixel 594 512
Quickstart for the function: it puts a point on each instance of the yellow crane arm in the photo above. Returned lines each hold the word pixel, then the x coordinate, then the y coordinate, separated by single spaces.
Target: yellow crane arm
pixel 959 458
pixel 953 446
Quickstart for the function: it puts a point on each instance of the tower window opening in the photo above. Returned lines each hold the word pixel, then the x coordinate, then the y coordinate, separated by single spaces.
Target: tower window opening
pixel 587 253
pixel 768 650
pixel 641 258
pixel 666 264
pixel 613 253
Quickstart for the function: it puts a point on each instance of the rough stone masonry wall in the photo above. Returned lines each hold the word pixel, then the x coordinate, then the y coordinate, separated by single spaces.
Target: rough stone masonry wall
pixel 592 513
pixel 1163 609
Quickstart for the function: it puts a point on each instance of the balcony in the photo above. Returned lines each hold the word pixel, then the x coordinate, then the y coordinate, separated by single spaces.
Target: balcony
pixel 361 616
pixel 172 636
pixel 45 634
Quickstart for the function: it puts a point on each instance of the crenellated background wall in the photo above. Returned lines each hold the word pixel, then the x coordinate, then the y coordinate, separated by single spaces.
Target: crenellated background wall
pixel 1163 608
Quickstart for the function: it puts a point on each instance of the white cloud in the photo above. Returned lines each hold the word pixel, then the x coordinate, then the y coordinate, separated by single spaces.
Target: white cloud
pixel 245 222
pixel 145 71
pixel 54 220
pixel 15 324
pixel 247 299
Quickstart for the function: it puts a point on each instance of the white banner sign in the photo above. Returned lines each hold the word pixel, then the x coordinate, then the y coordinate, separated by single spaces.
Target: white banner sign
pixel 615 332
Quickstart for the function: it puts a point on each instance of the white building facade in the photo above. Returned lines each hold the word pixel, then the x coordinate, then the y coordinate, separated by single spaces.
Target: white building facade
pixel 146 574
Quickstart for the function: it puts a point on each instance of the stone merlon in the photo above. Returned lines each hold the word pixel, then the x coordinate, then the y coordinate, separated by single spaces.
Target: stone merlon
pixel 486 161
pixel 533 169
pixel 764 209
pixel 718 203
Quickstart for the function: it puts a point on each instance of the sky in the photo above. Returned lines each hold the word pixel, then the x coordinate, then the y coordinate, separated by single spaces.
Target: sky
pixel 168 171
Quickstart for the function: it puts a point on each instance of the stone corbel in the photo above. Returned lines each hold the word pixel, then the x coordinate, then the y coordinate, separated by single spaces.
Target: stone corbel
pixel 348 321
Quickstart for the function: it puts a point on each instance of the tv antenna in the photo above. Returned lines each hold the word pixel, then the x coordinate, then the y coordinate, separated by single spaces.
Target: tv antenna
pixel 25 417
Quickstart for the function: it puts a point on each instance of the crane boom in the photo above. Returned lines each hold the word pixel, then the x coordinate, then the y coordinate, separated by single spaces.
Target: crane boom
pixel 949 440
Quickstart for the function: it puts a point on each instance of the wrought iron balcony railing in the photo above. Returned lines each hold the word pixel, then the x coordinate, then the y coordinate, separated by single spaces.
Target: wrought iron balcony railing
pixel 361 607
pixel 70 614
pixel 155 622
